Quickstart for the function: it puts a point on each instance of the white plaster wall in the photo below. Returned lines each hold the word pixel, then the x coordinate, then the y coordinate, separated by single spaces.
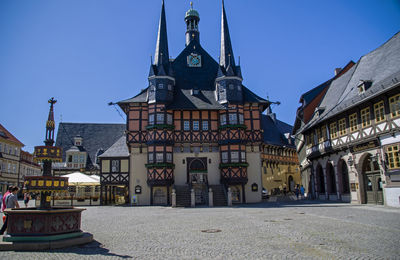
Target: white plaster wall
pixel 180 170
pixel 392 197
pixel 254 176
pixel 138 176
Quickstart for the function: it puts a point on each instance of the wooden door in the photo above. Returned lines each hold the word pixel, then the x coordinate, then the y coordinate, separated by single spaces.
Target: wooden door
pixel 373 189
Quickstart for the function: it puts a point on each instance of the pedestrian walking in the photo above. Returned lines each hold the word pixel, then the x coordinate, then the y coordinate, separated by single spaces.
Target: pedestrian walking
pixel 11 202
pixel 27 197
pixel 297 191
pixel 1 199
pixel 3 206
pixel 302 190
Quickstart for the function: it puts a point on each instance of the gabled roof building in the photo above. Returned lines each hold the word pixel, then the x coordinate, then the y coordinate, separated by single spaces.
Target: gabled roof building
pixel 82 143
pixel 351 141
pixel 195 126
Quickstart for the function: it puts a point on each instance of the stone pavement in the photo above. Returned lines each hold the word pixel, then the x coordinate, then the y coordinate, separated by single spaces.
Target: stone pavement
pixel 280 230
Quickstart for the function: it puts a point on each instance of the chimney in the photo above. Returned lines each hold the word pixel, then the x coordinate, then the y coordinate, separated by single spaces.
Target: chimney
pixel 337 71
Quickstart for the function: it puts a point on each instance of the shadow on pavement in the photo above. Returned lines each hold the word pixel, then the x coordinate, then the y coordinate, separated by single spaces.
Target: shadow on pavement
pixel 93 248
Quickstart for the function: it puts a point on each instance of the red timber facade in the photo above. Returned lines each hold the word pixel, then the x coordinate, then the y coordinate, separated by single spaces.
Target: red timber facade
pixel 195 126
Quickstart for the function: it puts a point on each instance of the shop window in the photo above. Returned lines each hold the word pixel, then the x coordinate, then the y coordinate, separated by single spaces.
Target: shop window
pixel 353 122
pixel 394 104
pixel 365 117
pixel 379 111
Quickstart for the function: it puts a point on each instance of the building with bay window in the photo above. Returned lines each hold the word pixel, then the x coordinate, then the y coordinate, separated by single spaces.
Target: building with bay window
pixel 352 139
pixel 195 126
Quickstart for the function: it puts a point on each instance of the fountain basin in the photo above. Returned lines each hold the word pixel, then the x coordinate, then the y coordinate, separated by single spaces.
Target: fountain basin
pixel 34 224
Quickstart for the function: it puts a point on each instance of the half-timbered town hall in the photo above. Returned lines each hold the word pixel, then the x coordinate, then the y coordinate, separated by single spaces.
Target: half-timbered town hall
pixel 195 126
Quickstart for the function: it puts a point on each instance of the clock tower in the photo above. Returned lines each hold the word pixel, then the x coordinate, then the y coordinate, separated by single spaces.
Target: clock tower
pixel 195 126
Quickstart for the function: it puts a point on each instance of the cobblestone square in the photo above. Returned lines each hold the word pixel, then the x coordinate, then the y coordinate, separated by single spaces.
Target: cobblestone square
pixel 301 230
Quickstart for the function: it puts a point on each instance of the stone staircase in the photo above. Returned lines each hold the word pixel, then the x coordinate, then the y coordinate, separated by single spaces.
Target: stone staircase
pixel 219 197
pixel 182 196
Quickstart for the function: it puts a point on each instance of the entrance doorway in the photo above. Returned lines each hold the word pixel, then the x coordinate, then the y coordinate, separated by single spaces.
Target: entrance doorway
pixel 291 183
pixel 197 178
pixel 114 194
pixel 373 191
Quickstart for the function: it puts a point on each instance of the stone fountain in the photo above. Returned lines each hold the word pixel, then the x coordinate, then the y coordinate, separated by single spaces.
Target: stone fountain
pixel 45 226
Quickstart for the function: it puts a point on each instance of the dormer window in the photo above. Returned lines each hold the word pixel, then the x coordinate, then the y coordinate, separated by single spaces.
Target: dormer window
pixel 364 85
pixel 78 141
pixel 195 92
pixel 169 87
pixel 319 111
pixel 239 88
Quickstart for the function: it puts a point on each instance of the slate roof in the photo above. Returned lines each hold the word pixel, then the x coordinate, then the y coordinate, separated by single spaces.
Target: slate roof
pixel 274 131
pixel 95 136
pixel 188 78
pixel 118 149
pixel 4 133
pixel 381 66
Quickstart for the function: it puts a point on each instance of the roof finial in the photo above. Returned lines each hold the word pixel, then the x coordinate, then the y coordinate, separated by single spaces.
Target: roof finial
pixel 191 5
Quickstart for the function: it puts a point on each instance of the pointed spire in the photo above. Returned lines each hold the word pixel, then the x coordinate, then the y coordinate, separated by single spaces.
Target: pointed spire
pixel 50 124
pixel 226 56
pixel 161 56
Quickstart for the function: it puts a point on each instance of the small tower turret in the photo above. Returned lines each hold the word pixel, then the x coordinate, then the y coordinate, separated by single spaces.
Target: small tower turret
pixel 161 80
pixel 229 77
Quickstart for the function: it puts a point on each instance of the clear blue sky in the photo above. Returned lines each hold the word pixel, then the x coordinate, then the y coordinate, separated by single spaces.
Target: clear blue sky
pixel 88 53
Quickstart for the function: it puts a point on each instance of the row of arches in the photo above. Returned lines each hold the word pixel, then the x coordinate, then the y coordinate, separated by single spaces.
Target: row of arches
pixel 333 183
pixel 327 183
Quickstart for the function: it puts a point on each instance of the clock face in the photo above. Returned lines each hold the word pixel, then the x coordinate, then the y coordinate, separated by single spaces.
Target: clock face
pixel 194 60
